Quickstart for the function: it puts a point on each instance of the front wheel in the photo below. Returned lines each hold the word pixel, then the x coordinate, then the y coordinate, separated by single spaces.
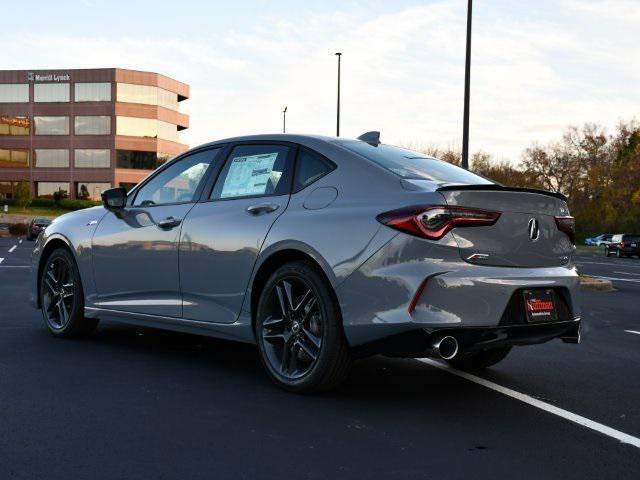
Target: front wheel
pixel 299 331
pixel 62 297
pixel 480 360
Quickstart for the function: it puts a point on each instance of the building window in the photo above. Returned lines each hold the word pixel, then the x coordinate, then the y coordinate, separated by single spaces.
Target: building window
pixel 8 190
pixel 47 189
pixel 52 125
pixel 14 158
pixel 51 92
pixel 92 158
pixel 14 93
pixel 90 190
pixel 92 92
pixel 140 160
pixel 10 125
pixel 147 128
pixel 148 95
pixel 51 158
pixel 95 125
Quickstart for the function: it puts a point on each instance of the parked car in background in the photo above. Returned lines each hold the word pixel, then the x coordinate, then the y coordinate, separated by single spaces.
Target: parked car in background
pixel 623 245
pixel 36 226
pixel 600 240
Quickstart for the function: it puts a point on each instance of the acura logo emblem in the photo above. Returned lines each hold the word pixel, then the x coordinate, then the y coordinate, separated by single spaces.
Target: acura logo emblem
pixel 534 229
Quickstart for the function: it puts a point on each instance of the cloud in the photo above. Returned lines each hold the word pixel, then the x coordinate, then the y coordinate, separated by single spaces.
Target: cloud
pixel 402 72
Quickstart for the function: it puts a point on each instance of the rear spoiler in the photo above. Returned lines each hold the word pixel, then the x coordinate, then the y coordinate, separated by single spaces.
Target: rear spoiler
pixel 501 188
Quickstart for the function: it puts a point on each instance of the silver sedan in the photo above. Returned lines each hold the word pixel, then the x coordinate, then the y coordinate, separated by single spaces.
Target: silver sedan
pixel 321 251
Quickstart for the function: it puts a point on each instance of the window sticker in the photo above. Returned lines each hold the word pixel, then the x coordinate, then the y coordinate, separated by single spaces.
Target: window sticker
pixel 249 175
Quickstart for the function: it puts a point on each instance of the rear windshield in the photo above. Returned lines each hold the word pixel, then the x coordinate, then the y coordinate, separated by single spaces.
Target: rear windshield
pixel 414 165
pixel 632 238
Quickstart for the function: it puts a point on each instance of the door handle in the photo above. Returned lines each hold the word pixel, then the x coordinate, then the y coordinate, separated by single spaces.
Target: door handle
pixel 262 208
pixel 169 223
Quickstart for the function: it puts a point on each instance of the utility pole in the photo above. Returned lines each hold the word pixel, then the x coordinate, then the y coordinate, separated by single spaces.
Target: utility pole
pixel 467 78
pixel 339 55
pixel 284 120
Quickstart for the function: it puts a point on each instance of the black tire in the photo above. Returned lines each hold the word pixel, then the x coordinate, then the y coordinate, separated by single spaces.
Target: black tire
pixel 618 254
pixel 480 360
pixel 62 297
pixel 310 326
pixel 607 252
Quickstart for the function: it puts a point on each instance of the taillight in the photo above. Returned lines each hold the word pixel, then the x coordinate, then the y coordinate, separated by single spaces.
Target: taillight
pixel 567 224
pixel 434 221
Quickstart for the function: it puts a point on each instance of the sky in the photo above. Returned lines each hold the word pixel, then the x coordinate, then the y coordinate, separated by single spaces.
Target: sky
pixel 537 67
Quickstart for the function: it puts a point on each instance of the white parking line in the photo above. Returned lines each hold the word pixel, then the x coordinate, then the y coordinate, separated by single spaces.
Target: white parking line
pixel 619 264
pixel 634 280
pixel 20 241
pixel 14 266
pixel 534 402
pixel 627 273
pixel 1 260
pixel 13 248
pixel 632 331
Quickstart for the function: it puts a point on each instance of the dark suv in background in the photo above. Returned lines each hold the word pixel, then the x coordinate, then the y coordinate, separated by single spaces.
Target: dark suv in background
pixel 36 226
pixel 623 245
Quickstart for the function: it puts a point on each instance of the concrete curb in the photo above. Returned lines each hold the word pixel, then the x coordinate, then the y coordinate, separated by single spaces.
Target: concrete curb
pixel 592 284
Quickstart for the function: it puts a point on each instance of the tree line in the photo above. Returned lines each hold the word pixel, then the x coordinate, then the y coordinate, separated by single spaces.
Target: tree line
pixel 597 171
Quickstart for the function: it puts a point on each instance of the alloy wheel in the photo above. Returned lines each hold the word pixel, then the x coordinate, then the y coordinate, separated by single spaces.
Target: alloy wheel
pixel 58 293
pixel 292 328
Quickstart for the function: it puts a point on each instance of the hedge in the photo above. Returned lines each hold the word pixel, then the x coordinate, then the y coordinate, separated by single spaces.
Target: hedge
pixel 65 204
pixel 69 204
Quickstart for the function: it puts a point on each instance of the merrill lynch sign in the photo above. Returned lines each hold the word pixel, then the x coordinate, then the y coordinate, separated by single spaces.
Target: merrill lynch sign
pixel 48 77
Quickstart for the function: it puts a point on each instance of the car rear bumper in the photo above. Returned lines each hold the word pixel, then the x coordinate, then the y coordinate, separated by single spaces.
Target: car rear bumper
pixel 419 343
pixel 412 285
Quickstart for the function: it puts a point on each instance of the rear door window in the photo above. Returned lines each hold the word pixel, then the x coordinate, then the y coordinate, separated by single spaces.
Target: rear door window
pixel 254 171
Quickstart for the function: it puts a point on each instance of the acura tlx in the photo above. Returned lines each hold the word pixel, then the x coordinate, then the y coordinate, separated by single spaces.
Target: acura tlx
pixel 320 251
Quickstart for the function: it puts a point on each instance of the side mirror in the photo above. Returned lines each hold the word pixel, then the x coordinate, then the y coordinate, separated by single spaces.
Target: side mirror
pixel 114 198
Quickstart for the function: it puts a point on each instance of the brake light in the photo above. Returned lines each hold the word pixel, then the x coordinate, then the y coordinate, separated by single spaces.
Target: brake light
pixel 434 221
pixel 567 224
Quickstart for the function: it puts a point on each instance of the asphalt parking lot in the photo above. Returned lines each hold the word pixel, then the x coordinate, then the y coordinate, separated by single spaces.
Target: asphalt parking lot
pixel 133 402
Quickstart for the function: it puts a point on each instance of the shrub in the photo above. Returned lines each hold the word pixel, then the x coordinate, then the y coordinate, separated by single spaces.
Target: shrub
pixel 69 204
pixel 23 194
pixel 59 196
pixel 18 229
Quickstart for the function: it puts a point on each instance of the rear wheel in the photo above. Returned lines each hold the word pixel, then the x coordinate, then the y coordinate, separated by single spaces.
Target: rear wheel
pixel 480 360
pixel 618 254
pixel 62 297
pixel 299 331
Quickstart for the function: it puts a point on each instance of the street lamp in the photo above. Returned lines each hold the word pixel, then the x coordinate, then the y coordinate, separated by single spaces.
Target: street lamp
pixel 339 55
pixel 467 78
pixel 284 120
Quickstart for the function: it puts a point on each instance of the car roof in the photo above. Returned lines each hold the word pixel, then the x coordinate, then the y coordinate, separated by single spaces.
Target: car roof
pixel 277 137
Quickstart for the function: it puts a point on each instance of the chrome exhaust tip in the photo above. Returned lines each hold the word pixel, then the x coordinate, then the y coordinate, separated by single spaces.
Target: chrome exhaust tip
pixel 446 347
pixel 574 336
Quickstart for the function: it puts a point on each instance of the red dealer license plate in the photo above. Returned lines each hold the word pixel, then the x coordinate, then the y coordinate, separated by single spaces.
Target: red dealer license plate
pixel 540 305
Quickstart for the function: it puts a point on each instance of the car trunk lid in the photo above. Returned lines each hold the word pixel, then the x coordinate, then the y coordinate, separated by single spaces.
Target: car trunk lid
pixel 525 235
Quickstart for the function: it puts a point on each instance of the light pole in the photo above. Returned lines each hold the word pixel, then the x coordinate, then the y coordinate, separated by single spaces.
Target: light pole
pixel 467 78
pixel 339 55
pixel 284 120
